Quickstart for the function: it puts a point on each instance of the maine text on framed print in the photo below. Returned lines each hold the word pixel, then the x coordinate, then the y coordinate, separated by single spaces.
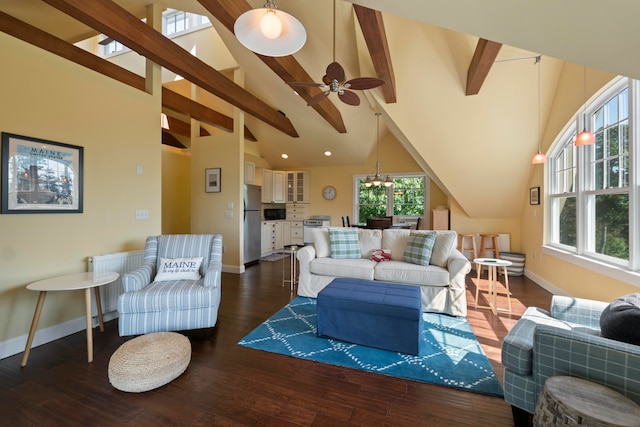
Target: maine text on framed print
pixel 212 178
pixel 534 196
pixel 40 176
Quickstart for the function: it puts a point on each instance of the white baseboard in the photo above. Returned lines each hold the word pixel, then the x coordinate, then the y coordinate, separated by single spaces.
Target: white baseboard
pixel 236 269
pixel 545 285
pixel 16 345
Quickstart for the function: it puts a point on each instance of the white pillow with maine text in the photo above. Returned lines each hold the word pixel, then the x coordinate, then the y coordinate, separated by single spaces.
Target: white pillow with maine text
pixel 178 269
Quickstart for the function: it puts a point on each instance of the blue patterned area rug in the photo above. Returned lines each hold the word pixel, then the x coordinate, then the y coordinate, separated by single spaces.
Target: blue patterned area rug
pixel 449 356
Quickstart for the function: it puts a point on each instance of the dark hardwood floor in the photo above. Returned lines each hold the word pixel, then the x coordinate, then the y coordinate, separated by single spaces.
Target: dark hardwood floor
pixel 229 385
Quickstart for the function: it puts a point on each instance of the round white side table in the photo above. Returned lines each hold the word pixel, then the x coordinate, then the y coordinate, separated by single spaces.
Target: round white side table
pixel 492 265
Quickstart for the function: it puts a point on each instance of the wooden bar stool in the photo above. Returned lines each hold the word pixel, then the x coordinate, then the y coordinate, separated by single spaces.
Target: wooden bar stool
pixel 495 251
pixel 462 245
pixel 493 248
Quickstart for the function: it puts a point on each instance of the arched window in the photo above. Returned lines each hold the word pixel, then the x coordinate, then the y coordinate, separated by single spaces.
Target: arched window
pixel 592 208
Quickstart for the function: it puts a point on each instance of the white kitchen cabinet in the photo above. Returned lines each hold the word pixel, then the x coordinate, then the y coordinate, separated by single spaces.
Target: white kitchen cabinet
pixel 249 173
pixel 273 186
pixel 275 235
pixel 297 187
pixel 279 194
pixel 267 185
pixel 297 211
pixel 268 238
pixel 297 233
pixel 283 234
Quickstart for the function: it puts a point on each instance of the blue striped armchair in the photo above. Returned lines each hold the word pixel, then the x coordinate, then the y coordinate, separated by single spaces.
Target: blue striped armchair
pixel 565 341
pixel 151 303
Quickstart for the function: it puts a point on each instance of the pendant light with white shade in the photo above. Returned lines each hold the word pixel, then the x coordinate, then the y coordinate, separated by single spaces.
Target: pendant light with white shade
pixel 585 137
pixel 269 31
pixel 539 157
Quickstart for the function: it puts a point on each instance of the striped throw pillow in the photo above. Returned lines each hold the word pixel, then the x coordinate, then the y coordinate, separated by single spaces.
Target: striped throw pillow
pixel 344 243
pixel 419 248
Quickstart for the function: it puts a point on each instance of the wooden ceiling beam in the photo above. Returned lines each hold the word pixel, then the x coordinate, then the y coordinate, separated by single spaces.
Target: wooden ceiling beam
pixel 168 139
pixel 481 63
pixel 114 21
pixel 286 67
pixel 183 128
pixel 181 104
pixel 35 36
pixel 32 35
pixel 372 26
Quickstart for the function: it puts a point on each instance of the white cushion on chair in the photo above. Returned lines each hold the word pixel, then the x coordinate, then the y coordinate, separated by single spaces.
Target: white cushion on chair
pixel 179 269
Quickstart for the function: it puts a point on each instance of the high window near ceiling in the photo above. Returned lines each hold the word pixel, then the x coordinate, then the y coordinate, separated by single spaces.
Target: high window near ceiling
pixel 592 191
pixel 174 23
pixel 405 198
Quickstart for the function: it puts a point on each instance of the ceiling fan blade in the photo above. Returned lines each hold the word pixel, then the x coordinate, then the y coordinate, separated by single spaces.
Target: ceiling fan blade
pixel 349 97
pixel 317 98
pixel 335 72
pixel 362 83
pixel 306 84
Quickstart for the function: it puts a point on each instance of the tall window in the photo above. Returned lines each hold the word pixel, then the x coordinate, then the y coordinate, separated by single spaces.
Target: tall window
pixel 589 189
pixel 406 198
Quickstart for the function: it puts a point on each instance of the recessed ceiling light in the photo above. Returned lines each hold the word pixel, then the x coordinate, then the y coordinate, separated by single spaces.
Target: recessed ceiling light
pixel 285 156
pixel 327 153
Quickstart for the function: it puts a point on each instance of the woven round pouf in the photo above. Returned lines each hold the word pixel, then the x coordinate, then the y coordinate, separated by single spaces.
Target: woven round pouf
pixel 149 361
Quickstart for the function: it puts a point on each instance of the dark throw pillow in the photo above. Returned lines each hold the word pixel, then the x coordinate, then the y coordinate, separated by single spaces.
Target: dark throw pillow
pixel 620 320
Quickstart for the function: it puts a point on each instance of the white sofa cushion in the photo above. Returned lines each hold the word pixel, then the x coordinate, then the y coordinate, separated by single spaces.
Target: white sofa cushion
pixel 354 268
pixel 369 241
pixel 396 241
pixel 404 272
pixel 321 242
pixel 446 241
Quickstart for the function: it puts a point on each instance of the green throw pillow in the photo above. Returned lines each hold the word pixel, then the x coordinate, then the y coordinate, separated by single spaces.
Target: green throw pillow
pixel 344 243
pixel 419 248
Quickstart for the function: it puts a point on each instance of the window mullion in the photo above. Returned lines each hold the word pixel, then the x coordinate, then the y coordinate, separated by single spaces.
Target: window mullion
pixel 634 179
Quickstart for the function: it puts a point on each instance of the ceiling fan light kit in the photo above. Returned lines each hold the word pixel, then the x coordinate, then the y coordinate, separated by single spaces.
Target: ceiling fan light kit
pixel 334 80
pixel 269 31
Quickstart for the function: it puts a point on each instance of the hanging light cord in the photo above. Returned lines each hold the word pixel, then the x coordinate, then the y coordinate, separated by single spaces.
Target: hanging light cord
pixel 539 63
pixel 378 145
pixel 334 30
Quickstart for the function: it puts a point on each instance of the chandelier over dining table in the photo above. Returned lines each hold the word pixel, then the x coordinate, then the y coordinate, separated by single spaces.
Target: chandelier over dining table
pixel 377 179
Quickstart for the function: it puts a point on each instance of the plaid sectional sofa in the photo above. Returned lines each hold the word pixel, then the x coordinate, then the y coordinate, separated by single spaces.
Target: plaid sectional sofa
pixel 565 341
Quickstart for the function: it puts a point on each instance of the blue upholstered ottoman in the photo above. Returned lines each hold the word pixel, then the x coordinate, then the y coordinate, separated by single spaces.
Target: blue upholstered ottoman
pixel 375 314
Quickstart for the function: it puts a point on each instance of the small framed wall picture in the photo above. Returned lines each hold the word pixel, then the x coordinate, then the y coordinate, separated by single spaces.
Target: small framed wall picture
pixel 212 178
pixel 534 196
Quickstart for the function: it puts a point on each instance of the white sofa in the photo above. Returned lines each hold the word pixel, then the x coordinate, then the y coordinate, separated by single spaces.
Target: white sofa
pixel 442 282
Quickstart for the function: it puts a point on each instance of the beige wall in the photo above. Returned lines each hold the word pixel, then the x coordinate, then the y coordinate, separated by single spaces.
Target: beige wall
pixel 176 190
pixel 546 269
pixel 47 97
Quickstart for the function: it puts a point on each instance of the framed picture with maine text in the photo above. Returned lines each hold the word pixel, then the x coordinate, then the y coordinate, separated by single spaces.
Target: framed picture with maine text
pixel 534 196
pixel 212 178
pixel 40 176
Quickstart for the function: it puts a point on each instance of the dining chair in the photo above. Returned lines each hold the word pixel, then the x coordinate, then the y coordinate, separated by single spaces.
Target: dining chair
pixel 345 221
pixel 379 223
pixel 418 223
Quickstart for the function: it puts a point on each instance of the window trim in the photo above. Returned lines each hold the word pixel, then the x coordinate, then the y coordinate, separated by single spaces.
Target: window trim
pixel 427 193
pixel 622 270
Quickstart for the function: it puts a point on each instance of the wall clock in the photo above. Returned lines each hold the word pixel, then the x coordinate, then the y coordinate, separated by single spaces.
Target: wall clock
pixel 329 192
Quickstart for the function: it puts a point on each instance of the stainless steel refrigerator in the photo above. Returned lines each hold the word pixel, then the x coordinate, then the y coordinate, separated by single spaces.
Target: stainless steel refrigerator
pixel 252 219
